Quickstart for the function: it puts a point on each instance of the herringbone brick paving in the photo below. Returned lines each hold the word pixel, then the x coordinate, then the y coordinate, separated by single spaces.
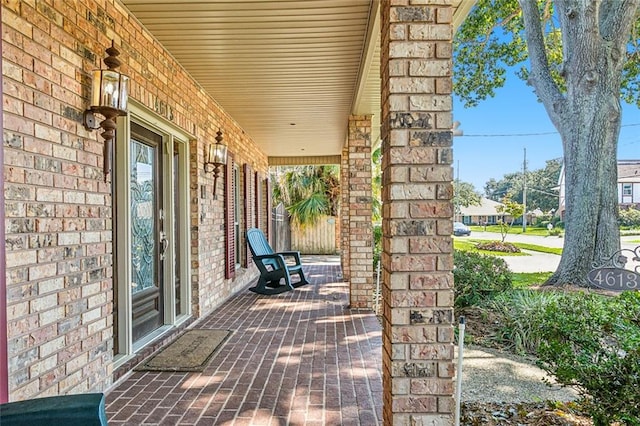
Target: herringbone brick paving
pixel 297 358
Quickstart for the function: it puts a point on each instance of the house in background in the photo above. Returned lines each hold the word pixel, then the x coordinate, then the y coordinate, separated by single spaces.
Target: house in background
pixel 629 183
pixel 483 214
pixel 628 186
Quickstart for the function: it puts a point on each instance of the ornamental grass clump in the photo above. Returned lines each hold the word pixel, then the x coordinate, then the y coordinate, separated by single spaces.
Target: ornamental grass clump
pixel 520 313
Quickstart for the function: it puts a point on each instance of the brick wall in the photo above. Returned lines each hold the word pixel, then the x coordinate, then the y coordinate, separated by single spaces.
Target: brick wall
pixel 417 256
pixel 58 208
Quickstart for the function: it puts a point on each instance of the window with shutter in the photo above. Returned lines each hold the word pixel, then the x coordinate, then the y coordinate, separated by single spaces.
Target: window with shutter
pixel 247 180
pixel 230 218
pixel 258 200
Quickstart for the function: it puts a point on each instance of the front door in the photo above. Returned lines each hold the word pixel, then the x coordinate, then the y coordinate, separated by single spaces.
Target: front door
pixel 148 237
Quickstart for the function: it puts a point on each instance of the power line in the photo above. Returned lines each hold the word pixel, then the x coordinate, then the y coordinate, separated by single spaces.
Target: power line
pixel 511 135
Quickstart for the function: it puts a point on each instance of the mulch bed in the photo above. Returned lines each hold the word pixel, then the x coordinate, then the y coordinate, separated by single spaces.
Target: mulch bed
pixel 538 414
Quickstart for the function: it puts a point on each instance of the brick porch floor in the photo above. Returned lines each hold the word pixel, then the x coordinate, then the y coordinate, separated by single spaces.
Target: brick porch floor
pixel 297 358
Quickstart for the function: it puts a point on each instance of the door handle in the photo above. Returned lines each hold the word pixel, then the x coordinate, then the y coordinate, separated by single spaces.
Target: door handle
pixel 164 245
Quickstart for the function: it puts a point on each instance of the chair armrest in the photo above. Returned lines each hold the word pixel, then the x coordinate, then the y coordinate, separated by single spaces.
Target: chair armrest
pixel 294 254
pixel 275 256
pixel 268 256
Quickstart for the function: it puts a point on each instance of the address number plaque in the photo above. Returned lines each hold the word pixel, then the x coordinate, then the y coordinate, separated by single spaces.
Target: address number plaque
pixel 612 274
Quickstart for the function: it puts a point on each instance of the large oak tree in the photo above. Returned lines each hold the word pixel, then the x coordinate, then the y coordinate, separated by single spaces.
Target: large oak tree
pixel 581 57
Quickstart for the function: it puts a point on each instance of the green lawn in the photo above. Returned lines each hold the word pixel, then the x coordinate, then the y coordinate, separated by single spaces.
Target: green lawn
pixel 529 279
pixel 469 245
pixel 541 249
pixel 515 230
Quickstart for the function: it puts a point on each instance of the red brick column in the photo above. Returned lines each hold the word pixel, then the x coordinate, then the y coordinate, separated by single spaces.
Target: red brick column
pixel 360 231
pixel 4 372
pixel 417 259
pixel 344 215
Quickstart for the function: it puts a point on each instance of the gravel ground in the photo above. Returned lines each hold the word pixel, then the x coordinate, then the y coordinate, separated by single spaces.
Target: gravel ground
pixel 500 389
pixel 493 376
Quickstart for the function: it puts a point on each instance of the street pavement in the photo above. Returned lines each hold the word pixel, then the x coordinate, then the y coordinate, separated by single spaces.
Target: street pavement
pixel 536 261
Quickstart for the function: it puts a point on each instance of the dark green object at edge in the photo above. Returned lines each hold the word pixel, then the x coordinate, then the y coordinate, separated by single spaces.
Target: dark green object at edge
pixel 66 410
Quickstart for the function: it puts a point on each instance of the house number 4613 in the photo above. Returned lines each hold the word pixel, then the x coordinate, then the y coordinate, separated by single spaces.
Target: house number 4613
pixel 617 279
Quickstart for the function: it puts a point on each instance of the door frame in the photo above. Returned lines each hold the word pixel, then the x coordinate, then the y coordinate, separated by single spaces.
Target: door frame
pixel 172 135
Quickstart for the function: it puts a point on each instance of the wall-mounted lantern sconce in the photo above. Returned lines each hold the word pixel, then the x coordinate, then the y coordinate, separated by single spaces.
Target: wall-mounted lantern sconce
pixel 109 95
pixel 216 158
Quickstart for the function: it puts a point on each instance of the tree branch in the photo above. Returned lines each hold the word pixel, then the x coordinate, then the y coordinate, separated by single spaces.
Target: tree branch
pixel 540 76
pixel 487 34
pixel 615 15
pixel 546 15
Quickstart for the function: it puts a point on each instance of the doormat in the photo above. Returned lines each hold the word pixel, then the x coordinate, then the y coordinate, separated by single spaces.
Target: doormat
pixel 189 352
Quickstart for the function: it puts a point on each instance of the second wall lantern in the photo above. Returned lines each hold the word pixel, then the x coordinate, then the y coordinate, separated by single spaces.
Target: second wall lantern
pixel 216 158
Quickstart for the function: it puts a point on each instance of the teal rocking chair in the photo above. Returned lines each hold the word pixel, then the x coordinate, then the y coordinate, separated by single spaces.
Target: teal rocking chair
pixel 273 266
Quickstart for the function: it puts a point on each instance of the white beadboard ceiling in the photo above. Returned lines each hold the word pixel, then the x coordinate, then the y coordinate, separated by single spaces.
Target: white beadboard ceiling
pixel 289 71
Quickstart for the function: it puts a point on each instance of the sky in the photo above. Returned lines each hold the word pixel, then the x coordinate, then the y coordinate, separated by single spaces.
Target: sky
pixel 515 110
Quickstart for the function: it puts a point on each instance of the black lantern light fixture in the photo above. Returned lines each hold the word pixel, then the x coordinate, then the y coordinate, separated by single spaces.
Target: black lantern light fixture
pixel 216 158
pixel 109 95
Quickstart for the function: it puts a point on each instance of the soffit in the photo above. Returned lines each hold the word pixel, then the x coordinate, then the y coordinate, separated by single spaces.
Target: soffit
pixel 289 71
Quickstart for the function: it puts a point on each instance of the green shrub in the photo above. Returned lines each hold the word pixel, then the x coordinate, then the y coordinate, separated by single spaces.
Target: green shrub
pixel 520 314
pixel 593 342
pixel 478 277
pixel 554 232
pixel 498 246
pixel 629 217
pixel 377 243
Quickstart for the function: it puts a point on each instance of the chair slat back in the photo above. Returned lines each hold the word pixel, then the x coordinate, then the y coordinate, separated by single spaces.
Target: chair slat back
pixel 258 243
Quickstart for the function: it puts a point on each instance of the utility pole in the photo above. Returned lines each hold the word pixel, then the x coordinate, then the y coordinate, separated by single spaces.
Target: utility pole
pixel 456 207
pixel 456 131
pixel 524 192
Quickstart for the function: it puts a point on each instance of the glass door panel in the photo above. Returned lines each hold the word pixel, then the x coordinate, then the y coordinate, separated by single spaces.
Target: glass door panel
pixel 147 236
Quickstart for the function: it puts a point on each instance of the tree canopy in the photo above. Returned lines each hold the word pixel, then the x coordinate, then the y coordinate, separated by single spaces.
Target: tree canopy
pixel 465 195
pixel 492 41
pixel 541 184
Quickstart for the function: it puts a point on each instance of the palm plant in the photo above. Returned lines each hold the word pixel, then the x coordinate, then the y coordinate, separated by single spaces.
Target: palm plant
pixel 376 184
pixel 307 192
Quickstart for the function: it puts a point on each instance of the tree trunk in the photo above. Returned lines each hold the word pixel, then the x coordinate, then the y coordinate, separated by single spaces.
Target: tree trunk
pixel 594 36
pixel 591 226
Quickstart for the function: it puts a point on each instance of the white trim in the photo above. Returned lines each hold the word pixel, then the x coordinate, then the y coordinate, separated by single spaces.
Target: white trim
pixel 185 231
pixel 123 238
pixel 167 225
pixel 172 135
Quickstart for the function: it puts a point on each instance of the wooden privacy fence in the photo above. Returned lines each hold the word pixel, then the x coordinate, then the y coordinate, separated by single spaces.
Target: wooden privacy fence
pixel 315 239
pixel 280 238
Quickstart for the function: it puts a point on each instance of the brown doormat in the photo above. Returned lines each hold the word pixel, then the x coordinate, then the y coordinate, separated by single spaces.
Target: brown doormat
pixel 189 352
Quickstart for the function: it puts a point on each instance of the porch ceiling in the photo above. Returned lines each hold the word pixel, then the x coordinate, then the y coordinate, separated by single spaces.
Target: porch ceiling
pixel 289 71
